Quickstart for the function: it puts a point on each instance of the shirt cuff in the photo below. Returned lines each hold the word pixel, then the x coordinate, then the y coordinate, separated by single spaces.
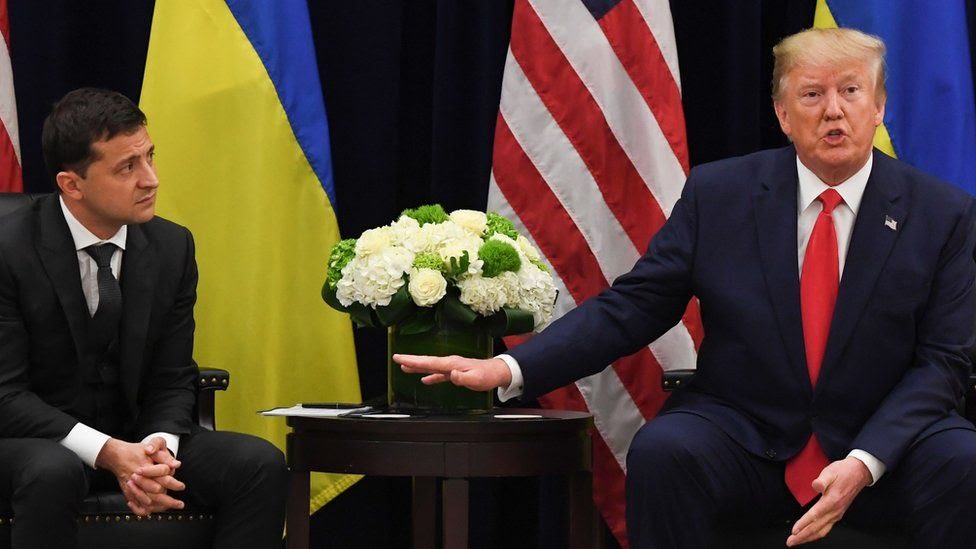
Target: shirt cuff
pixel 172 441
pixel 85 442
pixel 514 389
pixel 873 464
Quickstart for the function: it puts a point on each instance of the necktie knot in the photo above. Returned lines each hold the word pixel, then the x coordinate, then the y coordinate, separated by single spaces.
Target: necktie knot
pixel 830 199
pixel 102 254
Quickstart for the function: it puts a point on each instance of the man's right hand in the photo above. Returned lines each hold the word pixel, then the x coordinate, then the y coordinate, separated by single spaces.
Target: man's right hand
pixel 144 482
pixel 475 374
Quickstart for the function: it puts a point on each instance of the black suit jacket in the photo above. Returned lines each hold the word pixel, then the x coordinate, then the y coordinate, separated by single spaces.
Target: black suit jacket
pixel 43 325
pixel 897 356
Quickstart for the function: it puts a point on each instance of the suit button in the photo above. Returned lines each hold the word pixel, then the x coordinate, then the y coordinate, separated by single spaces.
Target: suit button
pixel 770 453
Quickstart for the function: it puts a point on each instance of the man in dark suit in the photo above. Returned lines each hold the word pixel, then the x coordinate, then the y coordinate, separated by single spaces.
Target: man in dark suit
pixel 837 295
pixel 96 337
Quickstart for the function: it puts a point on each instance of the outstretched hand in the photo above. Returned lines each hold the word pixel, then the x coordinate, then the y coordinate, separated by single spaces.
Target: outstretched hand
pixel 840 482
pixel 475 374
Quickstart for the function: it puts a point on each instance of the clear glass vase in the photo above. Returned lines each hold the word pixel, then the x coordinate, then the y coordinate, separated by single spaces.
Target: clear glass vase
pixel 406 392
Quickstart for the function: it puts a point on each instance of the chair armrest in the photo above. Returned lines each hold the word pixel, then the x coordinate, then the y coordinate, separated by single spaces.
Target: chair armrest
pixel 209 381
pixel 213 379
pixel 674 379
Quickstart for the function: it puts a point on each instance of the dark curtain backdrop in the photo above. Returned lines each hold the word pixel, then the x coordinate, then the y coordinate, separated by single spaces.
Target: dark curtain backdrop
pixel 411 90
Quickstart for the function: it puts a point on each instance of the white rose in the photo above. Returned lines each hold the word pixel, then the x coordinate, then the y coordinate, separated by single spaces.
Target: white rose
pixel 473 221
pixel 455 248
pixel 426 286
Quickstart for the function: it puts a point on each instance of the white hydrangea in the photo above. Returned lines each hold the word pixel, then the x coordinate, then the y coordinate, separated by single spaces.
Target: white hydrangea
pixel 485 295
pixel 537 293
pixel 374 241
pixel 472 221
pixel 373 279
pixel 404 230
pixel 426 286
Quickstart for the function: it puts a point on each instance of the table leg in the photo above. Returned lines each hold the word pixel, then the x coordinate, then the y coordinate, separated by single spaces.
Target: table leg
pixel 298 507
pixel 455 513
pixel 424 512
pixel 583 517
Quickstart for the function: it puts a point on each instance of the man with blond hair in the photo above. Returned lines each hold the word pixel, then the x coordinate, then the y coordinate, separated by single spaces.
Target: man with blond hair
pixel 837 295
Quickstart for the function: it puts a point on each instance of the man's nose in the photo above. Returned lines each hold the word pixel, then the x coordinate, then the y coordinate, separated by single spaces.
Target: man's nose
pixel 149 178
pixel 832 109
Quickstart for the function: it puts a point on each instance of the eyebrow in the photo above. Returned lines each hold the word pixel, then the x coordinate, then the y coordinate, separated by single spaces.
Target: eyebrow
pixel 134 156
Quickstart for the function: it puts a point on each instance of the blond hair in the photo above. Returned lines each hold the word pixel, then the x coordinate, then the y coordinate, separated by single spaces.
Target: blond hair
pixel 822 47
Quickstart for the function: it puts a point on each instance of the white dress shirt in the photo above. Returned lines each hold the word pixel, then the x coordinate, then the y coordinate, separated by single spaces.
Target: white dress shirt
pixel 83 440
pixel 808 208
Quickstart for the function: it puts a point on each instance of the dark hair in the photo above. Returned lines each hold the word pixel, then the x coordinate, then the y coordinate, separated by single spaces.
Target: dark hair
pixel 82 117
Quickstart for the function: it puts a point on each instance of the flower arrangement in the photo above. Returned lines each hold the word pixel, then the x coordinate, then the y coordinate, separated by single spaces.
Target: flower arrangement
pixel 429 268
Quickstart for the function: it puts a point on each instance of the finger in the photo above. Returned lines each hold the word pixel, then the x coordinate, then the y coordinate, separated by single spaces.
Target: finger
pixel 136 495
pixel 418 364
pixel 162 502
pixel 433 379
pixel 154 470
pixel 147 485
pixel 138 509
pixel 171 483
pixel 166 458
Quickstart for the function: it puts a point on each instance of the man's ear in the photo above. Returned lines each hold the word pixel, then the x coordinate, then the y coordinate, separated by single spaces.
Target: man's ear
pixel 784 122
pixel 68 182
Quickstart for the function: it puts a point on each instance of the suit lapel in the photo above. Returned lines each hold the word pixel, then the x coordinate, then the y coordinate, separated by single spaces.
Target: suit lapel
pixel 137 280
pixel 775 211
pixel 871 243
pixel 57 251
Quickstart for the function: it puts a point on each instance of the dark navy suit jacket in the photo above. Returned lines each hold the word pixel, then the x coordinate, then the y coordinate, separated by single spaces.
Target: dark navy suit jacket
pixel 897 357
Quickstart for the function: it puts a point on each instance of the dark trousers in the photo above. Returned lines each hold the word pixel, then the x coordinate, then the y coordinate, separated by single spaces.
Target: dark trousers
pixel 244 478
pixel 685 476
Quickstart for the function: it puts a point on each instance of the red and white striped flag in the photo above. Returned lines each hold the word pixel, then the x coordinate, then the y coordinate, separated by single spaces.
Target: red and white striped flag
pixel 10 176
pixel 590 156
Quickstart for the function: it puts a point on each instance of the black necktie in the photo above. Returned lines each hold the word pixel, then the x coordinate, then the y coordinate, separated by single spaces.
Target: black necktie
pixel 105 322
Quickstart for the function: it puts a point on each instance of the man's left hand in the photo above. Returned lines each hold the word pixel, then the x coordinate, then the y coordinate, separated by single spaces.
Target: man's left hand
pixel 839 483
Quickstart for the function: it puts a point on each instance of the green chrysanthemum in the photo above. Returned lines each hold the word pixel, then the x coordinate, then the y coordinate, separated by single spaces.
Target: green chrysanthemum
pixel 429 260
pixel 500 224
pixel 431 213
pixel 498 257
pixel 342 254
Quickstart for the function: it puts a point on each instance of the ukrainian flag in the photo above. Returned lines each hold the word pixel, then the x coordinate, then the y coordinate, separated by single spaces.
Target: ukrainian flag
pixel 931 111
pixel 235 110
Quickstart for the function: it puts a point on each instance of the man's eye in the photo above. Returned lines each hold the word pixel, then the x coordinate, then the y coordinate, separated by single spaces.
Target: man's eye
pixel 811 94
pixel 851 89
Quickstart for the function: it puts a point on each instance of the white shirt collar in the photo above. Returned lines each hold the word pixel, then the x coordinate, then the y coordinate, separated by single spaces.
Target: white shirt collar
pixel 851 190
pixel 83 237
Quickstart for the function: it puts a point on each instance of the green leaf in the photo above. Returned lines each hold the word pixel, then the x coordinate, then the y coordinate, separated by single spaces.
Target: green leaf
pixel 509 321
pixel 452 311
pixel 362 315
pixel 329 296
pixel 422 321
pixel 401 305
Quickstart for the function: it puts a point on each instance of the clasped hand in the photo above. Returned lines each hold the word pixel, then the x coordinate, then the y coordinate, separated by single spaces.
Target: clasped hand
pixel 145 473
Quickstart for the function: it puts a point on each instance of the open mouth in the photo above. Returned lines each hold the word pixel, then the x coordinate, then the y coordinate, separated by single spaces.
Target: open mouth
pixel 834 136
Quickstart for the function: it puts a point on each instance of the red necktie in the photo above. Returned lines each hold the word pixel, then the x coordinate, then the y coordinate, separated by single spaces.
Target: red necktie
pixel 818 293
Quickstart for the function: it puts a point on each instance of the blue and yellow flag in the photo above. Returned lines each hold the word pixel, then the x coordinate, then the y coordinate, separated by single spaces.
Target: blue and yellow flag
pixel 931 111
pixel 235 110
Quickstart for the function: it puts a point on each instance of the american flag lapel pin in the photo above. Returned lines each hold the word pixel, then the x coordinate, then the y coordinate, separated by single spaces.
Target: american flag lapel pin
pixel 891 223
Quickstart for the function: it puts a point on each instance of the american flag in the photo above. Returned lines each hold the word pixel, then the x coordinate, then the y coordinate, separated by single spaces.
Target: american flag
pixel 10 176
pixel 589 157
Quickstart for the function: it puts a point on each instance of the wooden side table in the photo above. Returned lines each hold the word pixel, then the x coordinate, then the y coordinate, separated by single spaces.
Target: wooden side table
pixel 449 450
